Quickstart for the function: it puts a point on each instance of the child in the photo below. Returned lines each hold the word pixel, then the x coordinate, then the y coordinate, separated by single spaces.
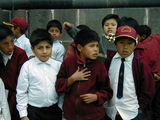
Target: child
pixel 3 102
pixel 11 60
pixel 19 26
pixel 36 95
pixel 84 80
pixel 143 32
pixel 109 25
pixel 54 27
pixel 71 49
pixel 131 79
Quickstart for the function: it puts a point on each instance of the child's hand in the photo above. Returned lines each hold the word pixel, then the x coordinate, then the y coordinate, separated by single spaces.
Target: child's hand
pixel 79 75
pixel 89 98
pixel 66 25
pixel 25 118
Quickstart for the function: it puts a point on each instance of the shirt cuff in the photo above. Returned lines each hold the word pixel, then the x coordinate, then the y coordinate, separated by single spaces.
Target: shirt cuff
pixel 23 113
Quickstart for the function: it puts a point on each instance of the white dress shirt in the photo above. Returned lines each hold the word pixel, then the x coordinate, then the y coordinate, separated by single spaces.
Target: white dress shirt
pixel 36 84
pixel 127 106
pixel 3 102
pixel 58 51
pixel 23 43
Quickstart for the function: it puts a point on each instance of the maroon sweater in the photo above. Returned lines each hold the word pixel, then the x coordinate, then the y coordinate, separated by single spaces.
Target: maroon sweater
pixel 98 83
pixel 10 72
pixel 143 78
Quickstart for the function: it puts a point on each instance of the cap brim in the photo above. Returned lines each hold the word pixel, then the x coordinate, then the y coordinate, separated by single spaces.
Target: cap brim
pixel 7 23
pixel 126 36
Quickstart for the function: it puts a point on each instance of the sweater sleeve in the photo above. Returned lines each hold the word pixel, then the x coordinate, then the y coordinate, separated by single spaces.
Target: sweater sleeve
pixel 73 31
pixel 146 86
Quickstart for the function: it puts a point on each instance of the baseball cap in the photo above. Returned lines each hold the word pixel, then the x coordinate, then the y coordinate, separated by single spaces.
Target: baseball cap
pixel 126 31
pixel 18 22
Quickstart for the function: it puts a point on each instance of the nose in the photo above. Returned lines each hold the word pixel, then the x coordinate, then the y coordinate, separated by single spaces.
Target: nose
pixel 11 46
pixel 126 46
pixel 44 50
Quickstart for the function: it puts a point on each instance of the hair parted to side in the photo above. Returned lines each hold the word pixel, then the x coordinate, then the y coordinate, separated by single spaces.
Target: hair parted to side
pixel 39 35
pixel 5 31
pixel 110 16
pixel 86 36
pixel 54 23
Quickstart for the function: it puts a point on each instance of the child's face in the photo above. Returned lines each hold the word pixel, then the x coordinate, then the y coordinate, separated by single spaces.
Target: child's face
pixel 55 33
pixel 110 26
pixel 125 47
pixel 16 31
pixel 90 50
pixel 7 45
pixel 42 50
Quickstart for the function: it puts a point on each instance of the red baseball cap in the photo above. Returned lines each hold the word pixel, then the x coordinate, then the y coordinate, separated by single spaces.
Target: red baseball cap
pixel 18 22
pixel 126 31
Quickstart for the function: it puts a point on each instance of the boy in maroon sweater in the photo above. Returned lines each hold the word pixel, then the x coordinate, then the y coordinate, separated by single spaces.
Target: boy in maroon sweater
pixel 84 80
pixel 11 60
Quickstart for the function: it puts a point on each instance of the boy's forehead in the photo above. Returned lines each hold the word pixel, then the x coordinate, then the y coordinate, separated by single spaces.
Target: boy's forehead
pixel 7 39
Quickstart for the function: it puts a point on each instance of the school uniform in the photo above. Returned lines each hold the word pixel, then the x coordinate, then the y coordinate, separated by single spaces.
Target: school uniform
pixel 138 86
pixel 23 43
pixel 9 73
pixel 98 83
pixel 58 51
pixel 36 94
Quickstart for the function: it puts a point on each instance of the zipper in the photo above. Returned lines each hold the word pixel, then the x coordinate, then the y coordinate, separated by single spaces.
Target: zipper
pixel 77 95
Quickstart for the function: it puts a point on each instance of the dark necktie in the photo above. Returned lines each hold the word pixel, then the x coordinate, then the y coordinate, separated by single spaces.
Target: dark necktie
pixel 120 80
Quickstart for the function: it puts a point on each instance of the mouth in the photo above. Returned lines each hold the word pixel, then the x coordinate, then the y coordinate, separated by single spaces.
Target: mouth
pixel 95 55
pixel 110 31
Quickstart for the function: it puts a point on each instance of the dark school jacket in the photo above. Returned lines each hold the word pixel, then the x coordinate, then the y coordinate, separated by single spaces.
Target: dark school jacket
pixel 143 79
pixel 98 83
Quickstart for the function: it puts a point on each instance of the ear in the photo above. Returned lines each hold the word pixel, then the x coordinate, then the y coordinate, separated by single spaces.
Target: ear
pixel 144 37
pixel 79 47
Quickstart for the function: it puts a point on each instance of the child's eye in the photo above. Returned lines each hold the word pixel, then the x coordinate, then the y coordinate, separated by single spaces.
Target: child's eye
pixel 48 47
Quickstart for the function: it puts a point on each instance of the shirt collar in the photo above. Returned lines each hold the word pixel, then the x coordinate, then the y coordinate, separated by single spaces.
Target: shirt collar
pixel 129 58
pixel 40 62
pixel 6 56
pixel 19 40
pixel 81 61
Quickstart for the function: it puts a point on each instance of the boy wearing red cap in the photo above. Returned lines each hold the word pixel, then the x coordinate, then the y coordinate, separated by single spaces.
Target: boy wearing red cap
pixel 131 78
pixel 19 25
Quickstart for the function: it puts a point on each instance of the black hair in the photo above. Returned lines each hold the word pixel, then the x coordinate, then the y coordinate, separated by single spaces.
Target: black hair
pixel 5 31
pixel 144 30
pixel 128 21
pixel 81 27
pixel 86 36
pixel 120 38
pixel 110 16
pixel 54 23
pixel 39 35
